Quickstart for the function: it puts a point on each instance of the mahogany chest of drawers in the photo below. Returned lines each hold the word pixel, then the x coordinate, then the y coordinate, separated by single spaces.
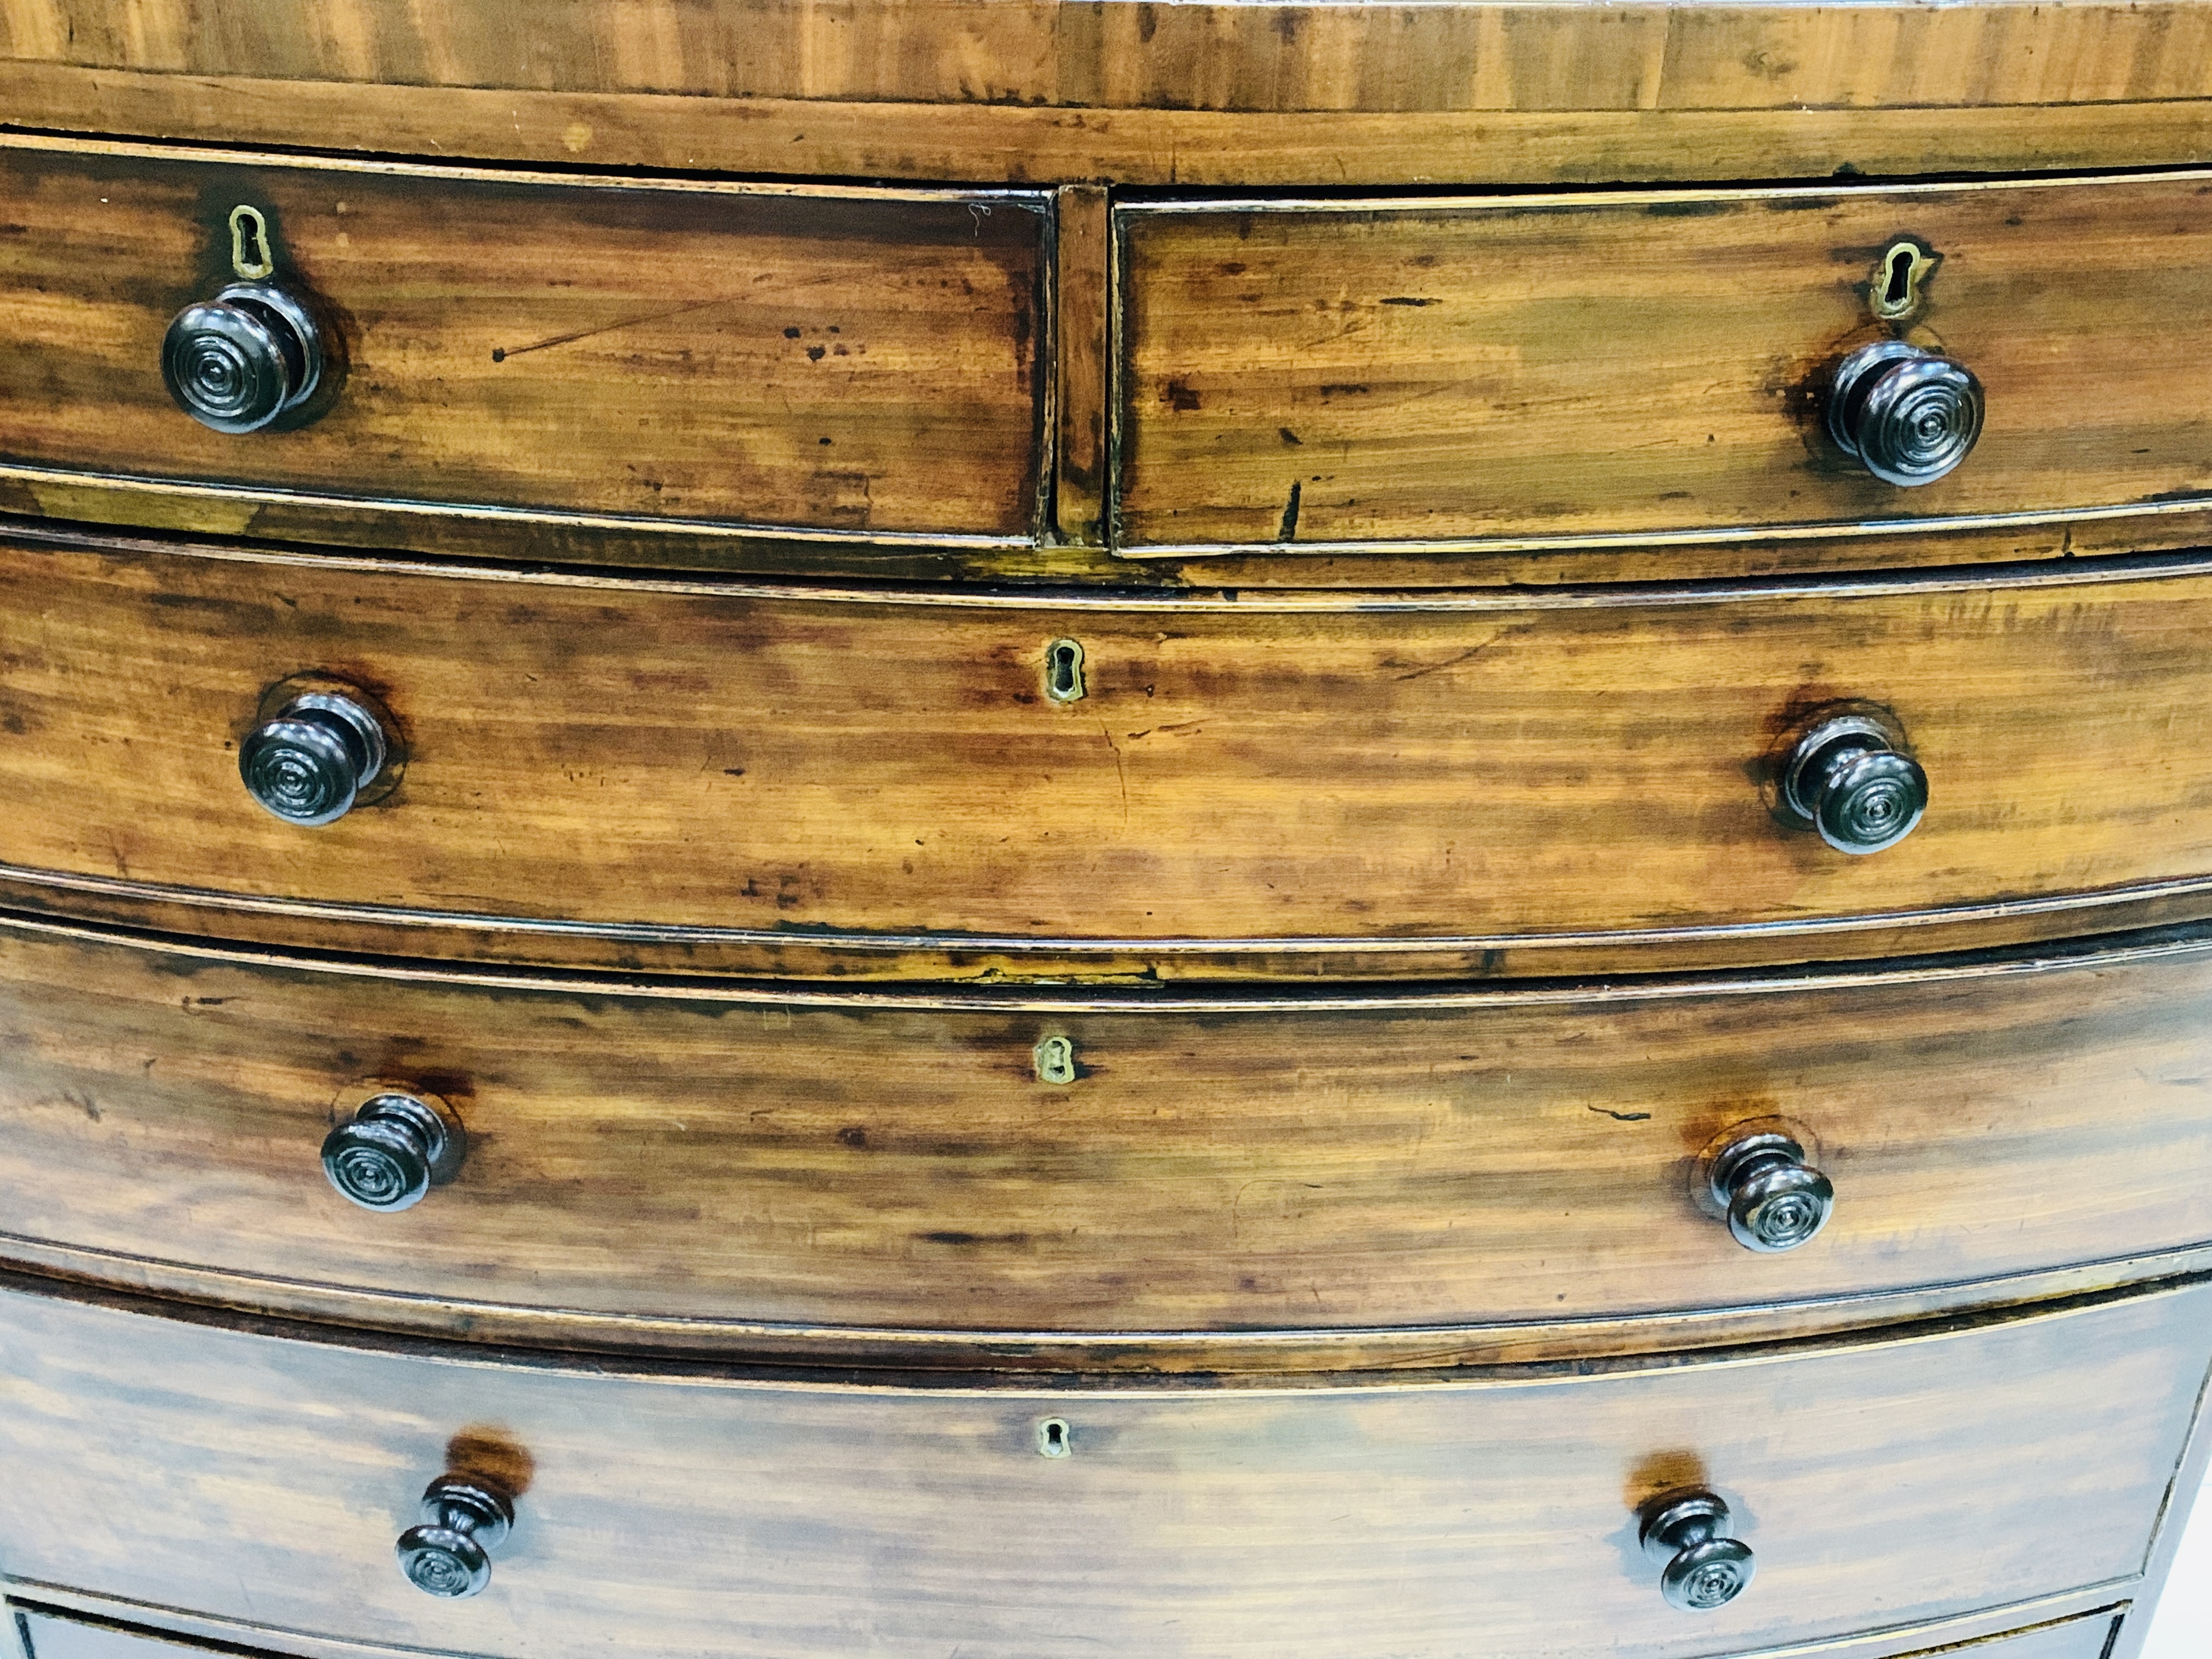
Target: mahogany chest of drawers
pixel 986 828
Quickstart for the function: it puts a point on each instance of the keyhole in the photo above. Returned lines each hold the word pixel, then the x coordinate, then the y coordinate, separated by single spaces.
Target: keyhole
pixel 1063 670
pixel 249 244
pixel 1055 1061
pixel 1900 277
pixel 1895 290
pixel 1053 1438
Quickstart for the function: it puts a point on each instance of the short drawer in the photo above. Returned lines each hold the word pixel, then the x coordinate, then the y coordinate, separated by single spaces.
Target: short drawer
pixel 1636 370
pixel 1105 1181
pixel 1878 1487
pixel 862 782
pixel 541 358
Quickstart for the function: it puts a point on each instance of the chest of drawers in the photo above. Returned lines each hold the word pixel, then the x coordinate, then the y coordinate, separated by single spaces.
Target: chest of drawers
pixel 1030 830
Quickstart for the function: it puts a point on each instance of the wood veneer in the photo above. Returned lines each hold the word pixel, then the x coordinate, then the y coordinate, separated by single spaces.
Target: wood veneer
pixel 1234 1184
pixel 1205 94
pixel 1527 373
pixel 627 772
pixel 839 363
pixel 1886 1485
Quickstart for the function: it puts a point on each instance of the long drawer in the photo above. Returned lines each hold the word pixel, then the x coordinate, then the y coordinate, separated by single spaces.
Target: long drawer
pixel 51 1633
pixel 858 783
pixel 546 359
pixel 1878 1487
pixel 1102 1181
pixel 1628 370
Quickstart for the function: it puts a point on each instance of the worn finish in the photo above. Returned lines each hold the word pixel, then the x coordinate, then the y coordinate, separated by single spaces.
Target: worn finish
pixel 663 763
pixel 889 1179
pixel 1538 372
pixel 1082 229
pixel 72 1625
pixel 1370 1319
pixel 1883 1485
pixel 1196 94
pixel 851 364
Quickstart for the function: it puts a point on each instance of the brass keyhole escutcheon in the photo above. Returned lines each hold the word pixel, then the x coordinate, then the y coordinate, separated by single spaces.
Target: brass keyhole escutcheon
pixel 250 255
pixel 1895 291
pixel 1055 1061
pixel 1063 670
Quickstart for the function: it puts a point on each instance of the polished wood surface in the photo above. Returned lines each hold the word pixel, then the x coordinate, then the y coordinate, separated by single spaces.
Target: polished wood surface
pixel 1450 567
pixel 1881 1485
pixel 1223 94
pixel 1083 230
pixel 847 363
pixel 888 1179
pixel 620 767
pixel 98 1627
pixel 1541 372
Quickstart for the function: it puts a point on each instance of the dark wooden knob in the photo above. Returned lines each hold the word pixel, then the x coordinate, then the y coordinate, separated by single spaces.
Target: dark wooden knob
pixel 1703 1567
pixel 309 763
pixel 1775 1200
pixel 238 362
pixel 1848 780
pixel 449 1553
pixel 1906 414
pixel 393 1151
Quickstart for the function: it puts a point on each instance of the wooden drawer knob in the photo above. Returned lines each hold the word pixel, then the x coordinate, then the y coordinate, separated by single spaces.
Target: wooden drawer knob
pixel 393 1151
pixel 309 763
pixel 1906 414
pixel 448 1553
pixel 1848 780
pixel 239 360
pixel 1702 1566
pixel 1775 1200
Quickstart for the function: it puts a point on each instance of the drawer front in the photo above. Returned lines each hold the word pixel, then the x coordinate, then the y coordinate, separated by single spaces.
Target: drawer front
pixel 553 354
pixel 603 768
pixel 2089 1637
pixel 46 1634
pixel 1184 1186
pixel 1550 371
pixel 1880 1486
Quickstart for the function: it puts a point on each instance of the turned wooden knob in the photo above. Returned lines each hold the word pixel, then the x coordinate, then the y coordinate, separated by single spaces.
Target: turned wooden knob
pixel 239 360
pixel 1848 780
pixel 1775 1200
pixel 1906 414
pixel 310 762
pixel 1702 1566
pixel 448 1553
pixel 393 1151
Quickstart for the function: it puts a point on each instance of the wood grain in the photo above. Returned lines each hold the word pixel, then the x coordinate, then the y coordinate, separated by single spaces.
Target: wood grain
pixel 1198 147
pixel 1081 229
pixel 1207 93
pixel 851 364
pixel 1547 372
pixel 72 1624
pixel 1882 1486
pixel 650 764
pixel 850 1177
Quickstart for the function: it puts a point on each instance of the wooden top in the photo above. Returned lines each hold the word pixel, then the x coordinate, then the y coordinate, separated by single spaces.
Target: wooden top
pixel 1141 93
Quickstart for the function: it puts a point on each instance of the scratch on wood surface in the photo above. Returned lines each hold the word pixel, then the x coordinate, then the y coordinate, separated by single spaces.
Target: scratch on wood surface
pixel 500 354
pixel 1471 651
pixel 1120 771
